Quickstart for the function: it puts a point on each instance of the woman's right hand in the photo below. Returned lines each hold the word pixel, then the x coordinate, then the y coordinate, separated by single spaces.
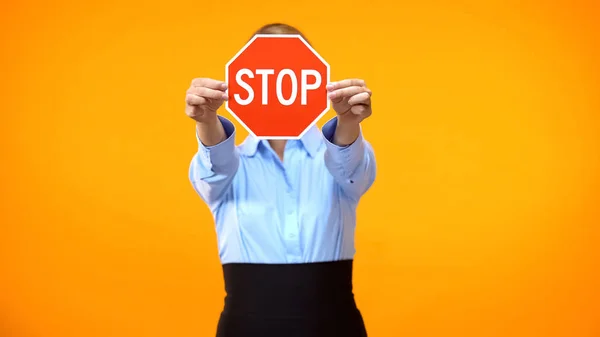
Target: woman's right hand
pixel 204 97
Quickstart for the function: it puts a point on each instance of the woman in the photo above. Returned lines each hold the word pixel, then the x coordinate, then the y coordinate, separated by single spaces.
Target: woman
pixel 285 214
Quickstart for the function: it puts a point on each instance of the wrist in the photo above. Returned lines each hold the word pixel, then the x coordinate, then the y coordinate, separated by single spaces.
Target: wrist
pixel 345 122
pixel 346 132
pixel 210 120
pixel 210 131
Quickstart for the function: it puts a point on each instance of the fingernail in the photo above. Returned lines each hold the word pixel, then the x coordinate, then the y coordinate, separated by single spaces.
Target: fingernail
pixel 329 86
pixel 331 95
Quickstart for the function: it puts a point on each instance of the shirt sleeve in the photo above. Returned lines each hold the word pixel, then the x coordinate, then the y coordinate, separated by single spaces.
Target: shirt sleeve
pixel 213 167
pixel 353 166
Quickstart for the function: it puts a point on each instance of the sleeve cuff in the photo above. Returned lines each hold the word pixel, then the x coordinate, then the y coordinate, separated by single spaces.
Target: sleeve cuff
pixel 347 157
pixel 218 154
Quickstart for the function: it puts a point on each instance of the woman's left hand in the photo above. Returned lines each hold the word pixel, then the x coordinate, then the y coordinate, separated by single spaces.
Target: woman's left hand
pixel 351 100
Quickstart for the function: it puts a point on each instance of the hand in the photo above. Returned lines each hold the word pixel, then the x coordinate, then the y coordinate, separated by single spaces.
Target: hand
pixel 204 97
pixel 351 100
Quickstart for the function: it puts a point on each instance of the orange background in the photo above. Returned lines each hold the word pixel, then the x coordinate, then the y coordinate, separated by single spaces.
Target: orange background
pixel 483 220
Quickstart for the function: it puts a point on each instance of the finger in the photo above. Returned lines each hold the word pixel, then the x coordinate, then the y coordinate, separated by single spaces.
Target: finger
pixel 347 92
pixel 360 109
pixel 207 93
pixel 209 83
pixel 194 100
pixel 346 83
pixel 362 98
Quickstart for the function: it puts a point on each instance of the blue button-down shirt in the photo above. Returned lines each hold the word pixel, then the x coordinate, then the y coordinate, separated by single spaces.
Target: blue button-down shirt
pixel 299 210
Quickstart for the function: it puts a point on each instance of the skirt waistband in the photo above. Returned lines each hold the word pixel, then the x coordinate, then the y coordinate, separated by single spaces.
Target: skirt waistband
pixel 289 290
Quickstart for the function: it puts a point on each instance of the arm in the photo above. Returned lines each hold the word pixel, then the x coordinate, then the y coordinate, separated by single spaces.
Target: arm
pixel 216 162
pixel 212 132
pixel 349 158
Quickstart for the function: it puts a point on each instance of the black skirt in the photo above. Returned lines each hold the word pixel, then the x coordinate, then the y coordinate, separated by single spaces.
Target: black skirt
pixel 290 300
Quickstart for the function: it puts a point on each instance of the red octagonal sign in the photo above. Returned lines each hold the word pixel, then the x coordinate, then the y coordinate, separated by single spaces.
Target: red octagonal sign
pixel 277 86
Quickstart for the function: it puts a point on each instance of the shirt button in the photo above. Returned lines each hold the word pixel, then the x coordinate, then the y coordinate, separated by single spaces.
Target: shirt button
pixel 291 235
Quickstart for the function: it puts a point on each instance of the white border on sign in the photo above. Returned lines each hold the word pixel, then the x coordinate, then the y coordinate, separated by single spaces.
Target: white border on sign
pixel 277 36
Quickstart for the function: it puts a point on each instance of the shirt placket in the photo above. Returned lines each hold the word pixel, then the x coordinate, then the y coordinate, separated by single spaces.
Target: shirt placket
pixel 291 228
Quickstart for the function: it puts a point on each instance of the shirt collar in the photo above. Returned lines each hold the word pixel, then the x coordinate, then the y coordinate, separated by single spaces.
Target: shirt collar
pixel 311 141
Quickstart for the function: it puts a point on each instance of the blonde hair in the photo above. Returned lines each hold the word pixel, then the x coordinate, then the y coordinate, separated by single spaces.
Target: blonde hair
pixel 280 28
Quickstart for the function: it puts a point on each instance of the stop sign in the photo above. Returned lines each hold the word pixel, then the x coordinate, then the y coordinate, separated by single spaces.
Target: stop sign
pixel 277 86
